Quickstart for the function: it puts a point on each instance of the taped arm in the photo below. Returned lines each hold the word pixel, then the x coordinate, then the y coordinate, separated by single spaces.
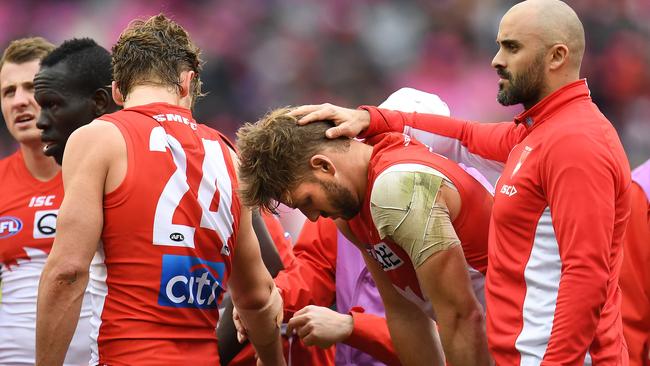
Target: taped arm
pixel 491 141
pixel 404 208
pixel 419 223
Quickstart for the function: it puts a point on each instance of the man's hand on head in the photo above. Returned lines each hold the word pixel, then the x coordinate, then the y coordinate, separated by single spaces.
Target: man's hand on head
pixel 349 122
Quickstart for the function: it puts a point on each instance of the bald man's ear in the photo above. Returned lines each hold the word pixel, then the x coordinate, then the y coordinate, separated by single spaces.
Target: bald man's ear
pixel 102 99
pixel 559 56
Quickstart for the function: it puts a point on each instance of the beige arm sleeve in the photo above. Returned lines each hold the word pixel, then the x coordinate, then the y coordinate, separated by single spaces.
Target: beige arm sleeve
pixel 404 209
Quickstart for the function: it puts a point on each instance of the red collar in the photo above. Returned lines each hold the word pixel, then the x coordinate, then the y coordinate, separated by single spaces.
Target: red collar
pixel 552 102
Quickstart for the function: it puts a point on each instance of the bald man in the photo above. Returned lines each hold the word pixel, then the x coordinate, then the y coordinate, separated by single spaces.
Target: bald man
pixel 561 204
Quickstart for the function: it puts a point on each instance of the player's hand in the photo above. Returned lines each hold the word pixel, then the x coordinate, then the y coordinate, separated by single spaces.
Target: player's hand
pixel 349 122
pixel 241 331
pixel 320 326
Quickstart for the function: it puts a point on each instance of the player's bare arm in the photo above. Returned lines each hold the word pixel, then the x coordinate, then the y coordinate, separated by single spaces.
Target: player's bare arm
pixel 257 301
pixel 89 155
pixel 413 333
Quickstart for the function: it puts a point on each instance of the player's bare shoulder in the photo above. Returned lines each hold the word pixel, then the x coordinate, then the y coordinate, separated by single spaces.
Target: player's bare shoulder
pixel 98 146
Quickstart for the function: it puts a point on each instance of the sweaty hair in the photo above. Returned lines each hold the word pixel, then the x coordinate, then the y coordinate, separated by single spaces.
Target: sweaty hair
pixel 89 62
pixel 25 50
pixel 275 155
pixel 155 51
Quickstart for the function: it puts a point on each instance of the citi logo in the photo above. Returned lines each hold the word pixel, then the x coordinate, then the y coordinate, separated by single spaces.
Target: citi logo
pixel 508 190
pixel 9 226
pixel 190 282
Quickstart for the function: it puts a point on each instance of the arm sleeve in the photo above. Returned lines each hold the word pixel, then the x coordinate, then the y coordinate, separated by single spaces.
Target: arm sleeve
pixel 311 278
pixel 370 335
pixel 492 141
pixel 403 207
pixel 581 193
pixel 635 278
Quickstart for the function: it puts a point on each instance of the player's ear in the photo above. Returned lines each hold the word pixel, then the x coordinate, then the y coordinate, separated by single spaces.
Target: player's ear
pixel 186 82
pixel 321 164
pixel 101 99
pixel 117 95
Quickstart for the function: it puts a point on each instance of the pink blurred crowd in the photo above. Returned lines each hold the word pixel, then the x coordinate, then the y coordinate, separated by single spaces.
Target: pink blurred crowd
pixel 262 54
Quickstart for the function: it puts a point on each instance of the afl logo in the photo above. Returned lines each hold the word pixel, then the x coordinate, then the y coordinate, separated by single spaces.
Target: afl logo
pixel 176 237
pixel 9 226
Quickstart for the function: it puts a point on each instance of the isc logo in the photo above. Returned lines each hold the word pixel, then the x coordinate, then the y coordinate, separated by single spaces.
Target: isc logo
pixel 190 282
pixel 508 190
pixel 9 226
pixel 40 201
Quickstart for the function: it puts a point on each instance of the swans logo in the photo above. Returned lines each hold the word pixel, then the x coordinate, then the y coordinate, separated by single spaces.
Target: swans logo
pixel 190 282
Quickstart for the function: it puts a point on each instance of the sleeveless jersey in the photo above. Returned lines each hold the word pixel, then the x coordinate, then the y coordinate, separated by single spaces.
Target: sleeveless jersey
pixel 168 237
pixel 28 211
pixel 471 225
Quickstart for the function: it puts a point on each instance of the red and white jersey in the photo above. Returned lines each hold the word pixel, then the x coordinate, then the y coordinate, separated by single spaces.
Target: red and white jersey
pixel 28 211
pixel 560 211
pixel 169 233
pixel 471 225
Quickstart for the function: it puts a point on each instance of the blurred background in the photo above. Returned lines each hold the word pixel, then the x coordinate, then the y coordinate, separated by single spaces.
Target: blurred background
pixel 262 54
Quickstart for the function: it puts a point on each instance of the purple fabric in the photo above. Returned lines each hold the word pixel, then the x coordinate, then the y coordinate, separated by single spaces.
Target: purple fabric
pixel 354 287
pixel 641 176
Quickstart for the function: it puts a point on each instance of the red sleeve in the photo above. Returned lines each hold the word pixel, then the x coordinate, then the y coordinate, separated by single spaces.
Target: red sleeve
pixel 311 279
pixel 279 237
pixel 370 335
pixel 635 278
pixel 489 140
pixel 581 192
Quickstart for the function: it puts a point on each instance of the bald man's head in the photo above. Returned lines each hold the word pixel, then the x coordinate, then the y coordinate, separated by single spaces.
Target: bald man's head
pixel 555 22
pixel 541 44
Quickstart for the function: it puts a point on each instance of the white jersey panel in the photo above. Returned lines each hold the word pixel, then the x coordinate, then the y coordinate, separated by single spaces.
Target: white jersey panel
pixel 98 291
pixel 18 314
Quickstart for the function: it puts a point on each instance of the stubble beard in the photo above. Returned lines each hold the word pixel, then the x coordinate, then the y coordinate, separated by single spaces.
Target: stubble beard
pixel 524 88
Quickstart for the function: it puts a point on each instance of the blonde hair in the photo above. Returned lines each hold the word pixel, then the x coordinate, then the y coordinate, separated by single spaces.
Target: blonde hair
pixel 26 49
pixel 274 156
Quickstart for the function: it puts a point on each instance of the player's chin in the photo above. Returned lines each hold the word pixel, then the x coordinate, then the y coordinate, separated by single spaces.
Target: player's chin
pixel 54 150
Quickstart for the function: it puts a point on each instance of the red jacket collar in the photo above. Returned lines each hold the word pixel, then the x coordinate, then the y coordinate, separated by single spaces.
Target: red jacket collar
pixel 552 102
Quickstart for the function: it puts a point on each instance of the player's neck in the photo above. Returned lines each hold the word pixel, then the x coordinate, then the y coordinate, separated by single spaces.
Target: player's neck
pixel 41 167
pixel 358 158
pixel 147 94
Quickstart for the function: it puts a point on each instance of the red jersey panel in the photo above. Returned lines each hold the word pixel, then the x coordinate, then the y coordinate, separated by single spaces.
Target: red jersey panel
pixel 635 279
pixel 28 212
pixel 169 233
pixel 471 225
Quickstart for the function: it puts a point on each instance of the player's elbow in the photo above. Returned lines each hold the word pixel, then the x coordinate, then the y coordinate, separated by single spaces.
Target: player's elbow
pixel 474 316
pixel 64 274
pixel 471 317
pixel 253 298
